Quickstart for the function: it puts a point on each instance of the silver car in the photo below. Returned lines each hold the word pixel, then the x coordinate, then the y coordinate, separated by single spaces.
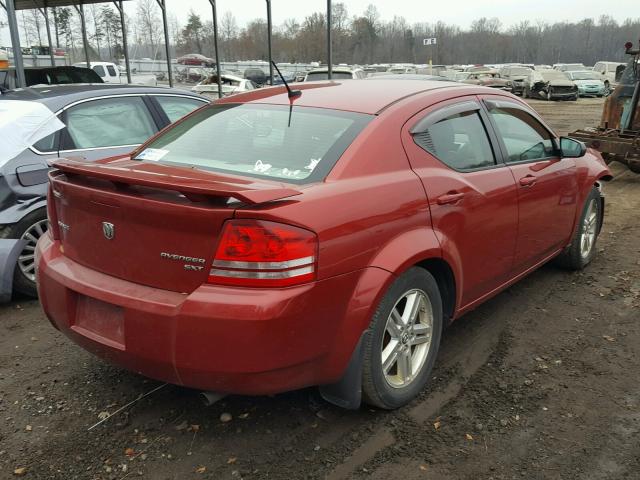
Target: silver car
pixel 100 121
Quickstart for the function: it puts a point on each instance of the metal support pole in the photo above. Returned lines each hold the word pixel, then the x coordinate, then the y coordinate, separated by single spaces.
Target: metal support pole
pixel 329 44
pixel 15 44
pixel 83 27
pixel 166 39
pixel 215 45
pixel 269 41
pixel 125 47
pixel 46 23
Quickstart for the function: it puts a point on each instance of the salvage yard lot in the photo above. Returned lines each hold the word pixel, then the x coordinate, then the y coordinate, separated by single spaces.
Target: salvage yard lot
pixel 540 382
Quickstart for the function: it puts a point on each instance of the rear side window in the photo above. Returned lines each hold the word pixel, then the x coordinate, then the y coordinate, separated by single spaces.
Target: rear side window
pixel 300 145
pixel 99 70
pixel 524 137
pixel 110 122
pixel 460 141
pixel 177 107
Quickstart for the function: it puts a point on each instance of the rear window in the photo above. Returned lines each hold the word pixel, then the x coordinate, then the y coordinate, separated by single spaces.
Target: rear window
pixel 298 146
pixel 313 76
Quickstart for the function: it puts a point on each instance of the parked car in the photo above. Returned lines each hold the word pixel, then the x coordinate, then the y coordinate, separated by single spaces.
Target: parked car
pixel 48 76
pixel 110 73
pixel 517 75
pixel 196 59
pixel 439 70
pixel 408 76
pixel 101 120
pixel 568 67
pixel 610 72
pixel 231 84
pixel 256 75
pixel 262 245
pixel 399 70
pixel 485 78
pixel 338 73
pixel 550 85
pixel 589 83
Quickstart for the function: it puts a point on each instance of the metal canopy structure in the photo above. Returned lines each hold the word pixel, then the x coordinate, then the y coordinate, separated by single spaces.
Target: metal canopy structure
pixel 11 6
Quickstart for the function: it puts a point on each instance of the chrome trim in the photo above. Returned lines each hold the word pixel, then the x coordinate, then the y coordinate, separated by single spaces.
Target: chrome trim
pixel 268 275
pixel 264 265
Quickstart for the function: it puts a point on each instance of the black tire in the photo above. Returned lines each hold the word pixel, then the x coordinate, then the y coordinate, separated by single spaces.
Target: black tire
pixel 21 282
pixel 576 256
pixel 549 95
pixel 377 389
pixel 525 92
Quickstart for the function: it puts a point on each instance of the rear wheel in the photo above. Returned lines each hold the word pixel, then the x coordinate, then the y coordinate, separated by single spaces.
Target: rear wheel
pixel 401 349
pixel 582 248
pixel 30 229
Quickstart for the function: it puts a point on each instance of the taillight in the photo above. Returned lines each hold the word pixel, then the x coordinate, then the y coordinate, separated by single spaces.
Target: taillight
pixel 256 253
pixel 52 215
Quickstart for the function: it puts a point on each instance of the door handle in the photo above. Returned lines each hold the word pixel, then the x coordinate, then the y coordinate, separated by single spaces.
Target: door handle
pixel 449 198
pixel 528 181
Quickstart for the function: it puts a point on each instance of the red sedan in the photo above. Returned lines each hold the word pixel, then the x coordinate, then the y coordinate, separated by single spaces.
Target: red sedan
pixel 267 243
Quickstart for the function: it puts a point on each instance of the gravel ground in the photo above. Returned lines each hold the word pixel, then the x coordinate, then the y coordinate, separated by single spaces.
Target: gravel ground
pixel 538 383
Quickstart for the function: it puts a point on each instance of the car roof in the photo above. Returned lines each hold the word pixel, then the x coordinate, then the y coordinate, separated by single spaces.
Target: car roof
pixel 56 97
pixel 369 96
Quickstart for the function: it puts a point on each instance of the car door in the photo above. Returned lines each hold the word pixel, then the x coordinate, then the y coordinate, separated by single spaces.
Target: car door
pixel 547 184
pixel 105 127
pixel 472 195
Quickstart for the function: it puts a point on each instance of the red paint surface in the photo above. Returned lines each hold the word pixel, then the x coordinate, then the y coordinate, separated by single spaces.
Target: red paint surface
pixel 386 205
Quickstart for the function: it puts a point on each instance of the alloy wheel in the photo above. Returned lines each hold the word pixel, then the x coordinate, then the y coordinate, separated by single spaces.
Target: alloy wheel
pixel 589 230
pixel 26 260
pixel 407 338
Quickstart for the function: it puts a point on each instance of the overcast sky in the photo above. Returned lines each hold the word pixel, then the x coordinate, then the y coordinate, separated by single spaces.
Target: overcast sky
pixel 460 12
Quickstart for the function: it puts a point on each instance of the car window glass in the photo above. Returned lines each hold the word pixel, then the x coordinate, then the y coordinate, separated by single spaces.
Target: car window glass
pixel 99 70
pixel 524 137
pixel 460 141
pixel 47 144
pixel 299 145
pixel 177 107
pixel 111 70
pixel 110 122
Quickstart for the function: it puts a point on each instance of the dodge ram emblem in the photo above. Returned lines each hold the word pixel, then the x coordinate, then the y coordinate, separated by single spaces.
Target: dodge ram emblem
pixel 109 230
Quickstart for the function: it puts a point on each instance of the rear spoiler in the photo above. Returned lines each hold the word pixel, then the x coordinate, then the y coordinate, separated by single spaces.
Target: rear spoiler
pixel 179 179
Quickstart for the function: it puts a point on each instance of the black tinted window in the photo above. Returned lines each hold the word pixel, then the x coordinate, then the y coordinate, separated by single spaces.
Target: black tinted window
pixel 460 141
pixel 111 70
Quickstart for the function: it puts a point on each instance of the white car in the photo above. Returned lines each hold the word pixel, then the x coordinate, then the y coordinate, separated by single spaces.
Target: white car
pixel 608 72
pixel 230 84
pixel 337 73
pixel 110 73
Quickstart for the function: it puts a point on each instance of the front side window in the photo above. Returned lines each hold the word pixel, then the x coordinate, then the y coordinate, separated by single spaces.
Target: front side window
pixel 460 141
pixel 300 145
pixel 110 122
pixel 177 107
pixel 111 70
pixel 524 137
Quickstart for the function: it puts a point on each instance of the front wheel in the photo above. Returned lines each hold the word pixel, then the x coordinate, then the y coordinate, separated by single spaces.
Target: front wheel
pixel 400 351
pixel 582 248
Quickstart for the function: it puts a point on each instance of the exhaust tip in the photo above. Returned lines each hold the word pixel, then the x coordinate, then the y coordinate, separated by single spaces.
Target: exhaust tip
pixel 209 398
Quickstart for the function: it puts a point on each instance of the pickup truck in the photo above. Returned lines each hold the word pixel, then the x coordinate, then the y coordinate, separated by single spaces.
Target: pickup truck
pixel 110 73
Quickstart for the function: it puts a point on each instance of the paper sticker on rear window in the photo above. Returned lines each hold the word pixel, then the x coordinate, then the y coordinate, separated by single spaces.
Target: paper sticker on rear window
pixel 153 154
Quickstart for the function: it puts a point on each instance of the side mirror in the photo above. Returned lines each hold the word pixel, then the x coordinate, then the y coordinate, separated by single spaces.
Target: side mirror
pixel 570 148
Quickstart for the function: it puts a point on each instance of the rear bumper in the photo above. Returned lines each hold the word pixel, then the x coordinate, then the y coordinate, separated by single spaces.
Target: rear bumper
pixel 226 339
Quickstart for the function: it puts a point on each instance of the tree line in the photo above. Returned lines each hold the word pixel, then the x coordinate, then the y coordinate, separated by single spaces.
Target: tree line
pixel 363 38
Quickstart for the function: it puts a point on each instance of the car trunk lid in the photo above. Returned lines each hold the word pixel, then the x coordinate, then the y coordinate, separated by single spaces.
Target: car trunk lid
pixel 148 223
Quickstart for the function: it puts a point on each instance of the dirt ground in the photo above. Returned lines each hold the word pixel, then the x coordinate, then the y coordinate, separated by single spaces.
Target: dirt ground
pixel 541 382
